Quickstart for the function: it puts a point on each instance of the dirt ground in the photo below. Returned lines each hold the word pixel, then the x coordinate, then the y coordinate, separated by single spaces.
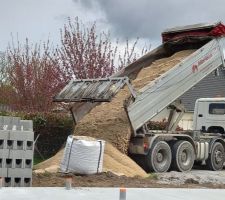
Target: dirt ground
pixel 193 179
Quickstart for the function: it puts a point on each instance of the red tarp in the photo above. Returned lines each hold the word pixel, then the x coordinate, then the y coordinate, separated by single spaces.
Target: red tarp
pixel 215 31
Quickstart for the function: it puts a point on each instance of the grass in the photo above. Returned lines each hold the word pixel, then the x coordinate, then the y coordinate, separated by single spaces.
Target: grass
pixel 153 176
pixel 37 160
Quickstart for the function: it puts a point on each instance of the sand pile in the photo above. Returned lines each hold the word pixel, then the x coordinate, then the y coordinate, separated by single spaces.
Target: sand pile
pixel 109 122
pixel 113 161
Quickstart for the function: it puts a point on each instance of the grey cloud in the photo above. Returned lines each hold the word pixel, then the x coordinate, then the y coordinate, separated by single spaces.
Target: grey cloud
pixel 86 3
pixel 148 18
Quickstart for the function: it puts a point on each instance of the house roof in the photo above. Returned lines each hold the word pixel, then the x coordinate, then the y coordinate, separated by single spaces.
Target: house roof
pixel 211 86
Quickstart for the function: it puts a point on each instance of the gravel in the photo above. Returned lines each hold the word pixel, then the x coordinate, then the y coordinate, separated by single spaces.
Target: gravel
pixel 192 177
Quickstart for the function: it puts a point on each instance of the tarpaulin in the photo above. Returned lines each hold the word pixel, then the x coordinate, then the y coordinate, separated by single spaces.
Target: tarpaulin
pixel 213 31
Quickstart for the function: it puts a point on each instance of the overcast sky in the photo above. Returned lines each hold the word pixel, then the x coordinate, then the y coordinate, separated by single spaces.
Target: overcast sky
pixel 41 19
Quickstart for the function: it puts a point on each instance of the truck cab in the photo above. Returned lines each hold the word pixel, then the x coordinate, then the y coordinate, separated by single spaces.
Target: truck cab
pixel 209 115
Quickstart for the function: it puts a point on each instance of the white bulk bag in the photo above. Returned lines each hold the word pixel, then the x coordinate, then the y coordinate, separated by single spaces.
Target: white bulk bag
pixel 83 156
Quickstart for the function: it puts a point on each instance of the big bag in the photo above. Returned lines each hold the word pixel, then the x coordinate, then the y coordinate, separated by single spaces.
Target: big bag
pixel 83 156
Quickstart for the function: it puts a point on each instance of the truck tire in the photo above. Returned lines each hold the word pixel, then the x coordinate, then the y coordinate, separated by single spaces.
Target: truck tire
pixel 159 157
pixel 183 156
pixel 216 157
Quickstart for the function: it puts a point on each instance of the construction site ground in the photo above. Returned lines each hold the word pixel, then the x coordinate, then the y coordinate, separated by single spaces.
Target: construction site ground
pixel 197 178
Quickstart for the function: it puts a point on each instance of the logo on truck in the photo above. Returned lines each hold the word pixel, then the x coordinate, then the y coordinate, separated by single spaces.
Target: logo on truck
pixel 194 68
pixel 196 65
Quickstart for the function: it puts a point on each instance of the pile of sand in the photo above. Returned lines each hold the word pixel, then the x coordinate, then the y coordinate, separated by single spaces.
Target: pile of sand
pixel 113 161
pixel 108 121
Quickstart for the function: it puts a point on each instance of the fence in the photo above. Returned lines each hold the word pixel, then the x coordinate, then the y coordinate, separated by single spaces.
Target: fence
pixel 5 108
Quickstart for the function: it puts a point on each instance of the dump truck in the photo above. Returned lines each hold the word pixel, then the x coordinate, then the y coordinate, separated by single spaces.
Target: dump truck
pixel 169 149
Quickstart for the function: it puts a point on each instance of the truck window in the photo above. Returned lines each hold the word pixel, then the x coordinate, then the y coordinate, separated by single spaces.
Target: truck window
pixel 217 108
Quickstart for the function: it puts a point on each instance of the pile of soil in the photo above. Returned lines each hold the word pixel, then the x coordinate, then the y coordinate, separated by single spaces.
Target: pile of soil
pixel 105 179
pixel 108 121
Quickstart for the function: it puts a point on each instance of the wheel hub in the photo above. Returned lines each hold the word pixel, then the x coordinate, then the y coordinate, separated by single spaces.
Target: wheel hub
pixel 159 157
pixel 218 156
pixel 184 156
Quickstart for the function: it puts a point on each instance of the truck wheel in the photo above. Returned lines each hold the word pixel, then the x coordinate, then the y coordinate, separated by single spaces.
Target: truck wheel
pixel 183 156
pixel 159 157
pixel 216 157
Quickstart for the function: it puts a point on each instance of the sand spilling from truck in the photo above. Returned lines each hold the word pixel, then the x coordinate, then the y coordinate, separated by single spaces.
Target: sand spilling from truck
pixel 108 121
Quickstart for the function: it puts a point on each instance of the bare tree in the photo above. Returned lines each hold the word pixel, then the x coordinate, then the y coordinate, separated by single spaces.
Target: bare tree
pixel 37 72
pixel 87 54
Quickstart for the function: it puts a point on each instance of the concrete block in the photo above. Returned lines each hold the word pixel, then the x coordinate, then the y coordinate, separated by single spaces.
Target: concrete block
pixel 28 163
pixel 8 163
pixel 17 181
pixel 4 153
pixel 21 135
pixel 9 144
pixel 3 172
pixel 27 125
pixel 19 163
pixel 1 162
pixel 6 120
pixel 7 182
pixel 18 128
pixel 20 173
pixel 29 145
pixel 19 145
pixel 21 154
pixel 27 182
pixel 4 135
pixel 15 121
pixel 3 144
pixel 1 120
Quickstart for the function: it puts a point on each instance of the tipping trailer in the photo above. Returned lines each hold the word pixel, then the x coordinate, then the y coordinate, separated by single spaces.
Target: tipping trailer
pixel 156 150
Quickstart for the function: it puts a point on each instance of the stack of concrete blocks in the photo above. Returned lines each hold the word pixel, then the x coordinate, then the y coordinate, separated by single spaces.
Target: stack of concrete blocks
pixel 16 151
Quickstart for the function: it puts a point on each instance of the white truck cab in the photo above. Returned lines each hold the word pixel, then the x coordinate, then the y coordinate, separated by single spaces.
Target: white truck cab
pixel 209 115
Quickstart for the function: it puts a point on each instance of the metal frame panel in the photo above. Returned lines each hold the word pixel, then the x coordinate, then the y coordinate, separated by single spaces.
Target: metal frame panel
pixel 171 85
pixel 91 90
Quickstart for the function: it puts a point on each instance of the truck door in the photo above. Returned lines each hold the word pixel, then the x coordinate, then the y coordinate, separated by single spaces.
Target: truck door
pixel 215 118
pixel 200 112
